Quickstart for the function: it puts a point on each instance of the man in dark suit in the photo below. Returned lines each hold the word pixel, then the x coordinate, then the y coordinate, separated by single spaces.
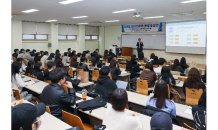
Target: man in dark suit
pixel 139 46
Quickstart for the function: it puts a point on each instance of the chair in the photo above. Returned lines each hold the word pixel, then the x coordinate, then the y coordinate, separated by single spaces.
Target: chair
pixel 47 81
pixel 74 121
pixel 168 91
pixel 142 87
pixel 143 64
pixel 172 61
pixel 95 75
pixel 110 76
pixel 14 58
pixel 155 66
pixel 193 96
pixel 127 107
pixel 146 58
pixel 16 94
pixel 143 68
pixel 205 83
pixel 28 74
pixel 89 62
pixel 119 56
pixel 35 77
pixel 186 75
pixel 78 70
pixel 123 61
pixel 40 62
pixel 65 87
pixel 165 63
pixel 141 61
pixel 24 61
pixel 187 126
pixel 48 109
pixel 45 66
pixel 128 57
pixel 181 79
pixel 122 65
pixel 70 72
pixel 106 60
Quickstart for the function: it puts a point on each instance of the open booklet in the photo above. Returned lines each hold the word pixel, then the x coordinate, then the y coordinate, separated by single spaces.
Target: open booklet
pixel 121 84
pixel 188 111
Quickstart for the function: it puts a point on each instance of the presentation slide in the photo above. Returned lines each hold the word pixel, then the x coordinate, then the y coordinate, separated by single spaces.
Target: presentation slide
pixel 186 37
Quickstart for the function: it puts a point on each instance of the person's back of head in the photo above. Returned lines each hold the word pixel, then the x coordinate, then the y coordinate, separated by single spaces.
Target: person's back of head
pixel 119 99
pixel 156 58
pixel 37 66
pixel 160 93
pixel 69 49
pixel 19 59
pixel 30 63
pixel 175 64
pixel 57 51
pixel 51 56
pixel 79 54
pixel 15 50
pixel 105 70
pixel 57 74
pixel 152 56
pixel 161 61
pixel 58 56
pixel 34 50
pixel 51 64
pixel 133 55
pixel 73 52
pixel 194 79
pixel 183 61
pixel 15 68
pixel 141 55
pixel 84 54
pixel 113 63
pixel 27 50
pixel 65 53
pixel 161 121
pixel 87 51
pixel 73 61
pixel 149 66
pixel 96 50
pixel 133 59
pixel 167 76
pixel 21 51
pixel 66 68
pixel 46 53
pixel 92 55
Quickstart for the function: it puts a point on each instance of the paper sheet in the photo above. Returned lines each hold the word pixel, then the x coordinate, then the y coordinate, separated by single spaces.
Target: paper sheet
pixel 121 84
pixel 30 83
pixel 188 111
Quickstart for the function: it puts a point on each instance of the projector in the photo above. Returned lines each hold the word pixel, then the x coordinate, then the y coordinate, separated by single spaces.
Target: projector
pixel 137 16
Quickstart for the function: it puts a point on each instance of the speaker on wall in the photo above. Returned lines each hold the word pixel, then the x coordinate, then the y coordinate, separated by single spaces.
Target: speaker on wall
pixel 49 44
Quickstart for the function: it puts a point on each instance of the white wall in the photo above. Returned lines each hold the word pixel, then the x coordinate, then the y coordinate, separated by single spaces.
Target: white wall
pixel 91 45
pixel 16 35
pixel 64 45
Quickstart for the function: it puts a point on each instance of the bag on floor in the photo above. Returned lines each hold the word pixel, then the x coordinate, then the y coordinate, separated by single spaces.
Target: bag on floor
pixel 100 127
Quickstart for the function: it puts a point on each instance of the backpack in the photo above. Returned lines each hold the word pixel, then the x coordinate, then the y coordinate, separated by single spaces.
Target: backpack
pixel 97 102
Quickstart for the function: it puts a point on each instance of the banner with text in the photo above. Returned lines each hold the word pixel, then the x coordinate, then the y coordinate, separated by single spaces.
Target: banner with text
pixel 149 27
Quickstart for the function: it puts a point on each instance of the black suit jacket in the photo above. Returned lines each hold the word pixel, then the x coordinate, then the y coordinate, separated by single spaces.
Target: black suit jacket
pixel 139 46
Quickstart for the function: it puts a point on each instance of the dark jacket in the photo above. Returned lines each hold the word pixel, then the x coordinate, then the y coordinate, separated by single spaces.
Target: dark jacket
pixel 150 76
pixel 150 111
pixel 179 68
pixel 139 46
pixel 37 58
pixel 32 53
pixel 199 114
pixel 184 85
pixel 38 74
pixel 99 64
pixel 46 75
pixel 29 70
pixel 74 82
pixel 132 67
pixel 83 66
pixel 58 63
pixel 92 59
pixel 115 72
pixel 154 62
pixel 105 86
pixel 54 96
pixel 69 53
pixel 184 66
pixel 204 78
pixel 15 55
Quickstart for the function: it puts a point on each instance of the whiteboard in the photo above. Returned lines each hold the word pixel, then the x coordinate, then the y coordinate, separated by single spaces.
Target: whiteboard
pixel 150 41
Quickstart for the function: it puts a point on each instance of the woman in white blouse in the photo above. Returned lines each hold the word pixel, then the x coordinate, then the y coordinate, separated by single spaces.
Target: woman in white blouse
pixel 16 80
pixel 116 118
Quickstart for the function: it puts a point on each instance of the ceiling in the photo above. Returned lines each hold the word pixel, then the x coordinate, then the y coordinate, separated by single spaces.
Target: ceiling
pixel 101 10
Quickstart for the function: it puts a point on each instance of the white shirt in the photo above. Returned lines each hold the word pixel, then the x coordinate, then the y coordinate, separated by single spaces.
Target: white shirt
pixel 158 70
pixel 18 83
pixel 120 120
pixel 43 59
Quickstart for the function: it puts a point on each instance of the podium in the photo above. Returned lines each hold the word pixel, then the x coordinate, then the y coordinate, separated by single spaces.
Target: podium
pixel 126 51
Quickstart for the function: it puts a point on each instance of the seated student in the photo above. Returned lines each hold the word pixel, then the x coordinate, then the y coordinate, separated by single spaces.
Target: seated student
pixel 161 64
pixel 88 55
pixel 73 53
pixel 149 75
pixel 38 71
pixel 27 57
pixel 73 62
pixel 69 52
pixel 141 57
pixel 58 61
pixel 21 53
pixel 155 61
pixel 177 67
pixel 160 99
pixel 74 82
pixel 16 80
pixel 193 80
pixel 44 58
pixel 111 57
pixel 105 86
pixel 106 54
pixel 151 57
pixel 51 57
pixel 42 53
pixel 115 117
pixel 161 121
pixel 97 62
pixel 79 55
pixel 84 54
pixel 133 67
pixel 30 67
pixel 57 52
pixel 92 58
pixel 199 112
pixel 26 116
pixel 20 60
pixel 204 78
pixel 193 64
pixel 115 71
pixel 66 58
pixel 51 66
pixel 82 64
pixel 96 52
pixel 15 54
pixel 33 53
pixel 37 57
pixel 111 53
pixel 54 95
pixel 183 63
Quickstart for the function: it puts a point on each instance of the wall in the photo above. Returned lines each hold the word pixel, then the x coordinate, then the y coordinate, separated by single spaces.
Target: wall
pixel 64 45
pixel 111 33
pixel 91 45
pixel 16 34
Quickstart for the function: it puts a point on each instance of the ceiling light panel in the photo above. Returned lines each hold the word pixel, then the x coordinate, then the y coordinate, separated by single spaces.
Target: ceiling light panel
pixel 51 20
pixel 30 11
pixel 69 1
pixel 122 11
pixel 82 23
pixel 191 1
pixel 113 21
pixel 153 17
pixel 79 17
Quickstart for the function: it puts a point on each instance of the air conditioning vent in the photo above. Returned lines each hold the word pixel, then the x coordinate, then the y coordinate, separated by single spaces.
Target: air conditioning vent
pixel 182 14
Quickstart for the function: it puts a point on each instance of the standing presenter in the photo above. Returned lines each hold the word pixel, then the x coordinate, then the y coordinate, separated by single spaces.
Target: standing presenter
pixel 139 46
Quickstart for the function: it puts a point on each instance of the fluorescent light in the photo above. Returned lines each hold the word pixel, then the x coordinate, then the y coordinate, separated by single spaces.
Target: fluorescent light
pixel 205 13
pixel 113 21
pixel 69 1
pixel 154 35
pixel 153 17
pixel 79 17
pixel 121 11
pixel 82 23
pixel 50 20
pixel 30 10
pixel 191 1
